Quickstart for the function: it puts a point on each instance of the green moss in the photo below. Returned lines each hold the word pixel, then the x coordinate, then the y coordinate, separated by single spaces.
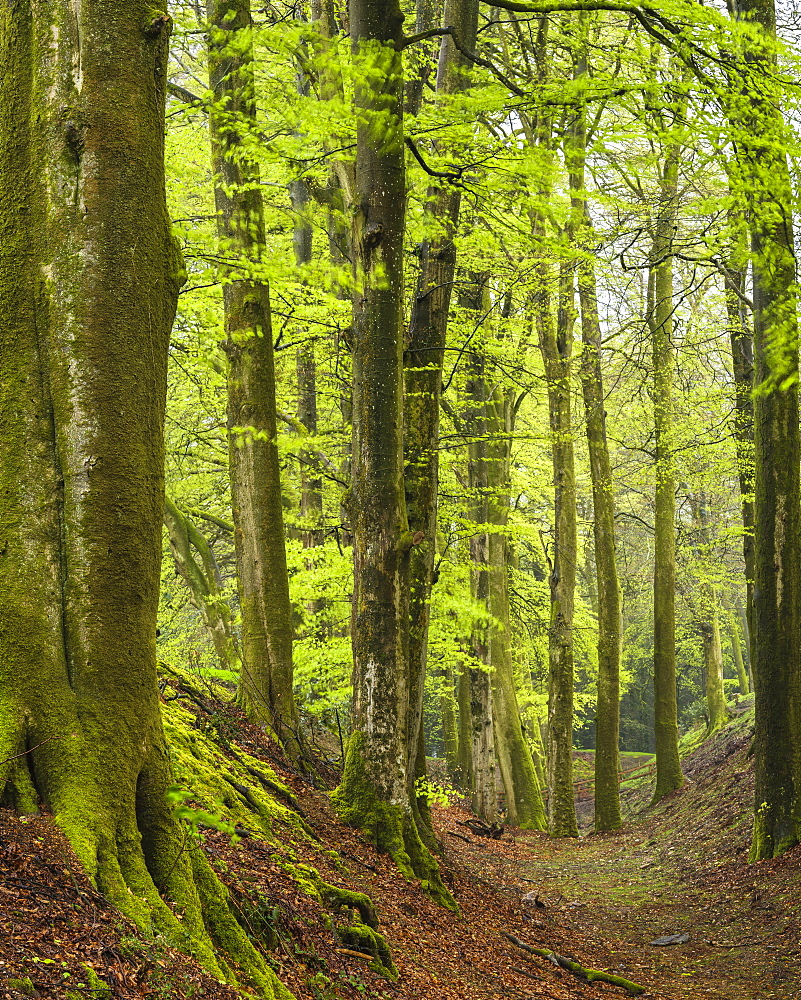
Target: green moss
pixel 99 989
pixel 361 938
pixel 391 828
pixel 212 777
pixel 24 986
pixel 19 792
pixel 226 933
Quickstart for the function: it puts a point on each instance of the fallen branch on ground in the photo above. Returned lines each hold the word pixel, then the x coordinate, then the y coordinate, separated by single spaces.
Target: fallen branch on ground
pixel 482 829
pixel 576 969
pixel 459 836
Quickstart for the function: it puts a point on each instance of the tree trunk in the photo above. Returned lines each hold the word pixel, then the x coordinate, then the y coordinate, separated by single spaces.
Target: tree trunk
pixel 742 352
pixel 483 791
pixel 737 654
pixel 660 320
pixel 450 730
pixel 556 347
pixel 195 563
pixel 607 717
pixel 423 360
pixel 767 193
pixel 265 687
pixel 607 726
pixel 524 804
pixel 89 278
pixel 742 615
pixel 706 605
pixel 464 773
pixel 374 793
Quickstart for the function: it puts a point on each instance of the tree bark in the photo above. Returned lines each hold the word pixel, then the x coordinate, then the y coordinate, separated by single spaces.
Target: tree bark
pixel 484 800
pixel 423 359
pixel 374 792
pixel 742 352
pixel 265 687
pixel 669 776
pixel 524 803
pixel 706 606
pixel 607 718
pixel 556 347
pixel 767 191
pixel 737 654
pixel 89 279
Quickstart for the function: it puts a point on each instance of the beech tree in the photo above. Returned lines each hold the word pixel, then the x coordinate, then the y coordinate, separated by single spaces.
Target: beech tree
pixel 89 277
pixel 374 792
pixel 265 686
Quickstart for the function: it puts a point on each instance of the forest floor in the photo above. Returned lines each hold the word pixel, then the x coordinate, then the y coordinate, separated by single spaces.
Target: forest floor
pixel 677 869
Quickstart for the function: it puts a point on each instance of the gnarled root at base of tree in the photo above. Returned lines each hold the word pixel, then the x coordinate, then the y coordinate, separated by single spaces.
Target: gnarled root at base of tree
pixel 576 969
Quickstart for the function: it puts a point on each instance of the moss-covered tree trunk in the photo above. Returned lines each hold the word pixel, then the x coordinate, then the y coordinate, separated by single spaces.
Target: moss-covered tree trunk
pixel 89 277
pixel 737 653
pixel 374 792
pixel 660 321
pixel 464 768
pixel 706 606
pixel 607 587
pixel 524 802
pixel 196 565
pixel 265 687
pixel 556 346
pixel 742 616
pixel 423 358
pixel 742 352
pixel 484 800
pixel 311 485
pixel 767 192
pixel 607 724
pixel 450 725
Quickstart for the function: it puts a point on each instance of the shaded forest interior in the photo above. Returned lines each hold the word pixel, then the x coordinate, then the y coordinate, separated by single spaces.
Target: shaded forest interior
pixel 400 449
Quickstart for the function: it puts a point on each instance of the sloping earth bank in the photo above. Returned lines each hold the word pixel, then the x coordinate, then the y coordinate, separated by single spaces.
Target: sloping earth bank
pixel 680 868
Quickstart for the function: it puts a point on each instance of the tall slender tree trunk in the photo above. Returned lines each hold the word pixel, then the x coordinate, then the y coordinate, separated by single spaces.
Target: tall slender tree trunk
pixel 556 346
pixel 423 360
pixel 464 774
pixel 524 803
pixel 708 616
pixel 660 320
pixel 767 192
pixel 374 792
pixel 483 791
pixel 450 726
pixel 737 653
pixel 742 352
pixel 607 724
pixel 265 687
pixel 607 716
pixel 89 280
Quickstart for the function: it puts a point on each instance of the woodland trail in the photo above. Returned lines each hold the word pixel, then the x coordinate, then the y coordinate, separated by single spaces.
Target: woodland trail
pixel 600 900
pixel 680 869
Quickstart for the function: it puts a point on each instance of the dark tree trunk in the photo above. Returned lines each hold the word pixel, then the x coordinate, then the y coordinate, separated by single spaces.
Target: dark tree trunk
pixel 767 194
pixel 374 793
